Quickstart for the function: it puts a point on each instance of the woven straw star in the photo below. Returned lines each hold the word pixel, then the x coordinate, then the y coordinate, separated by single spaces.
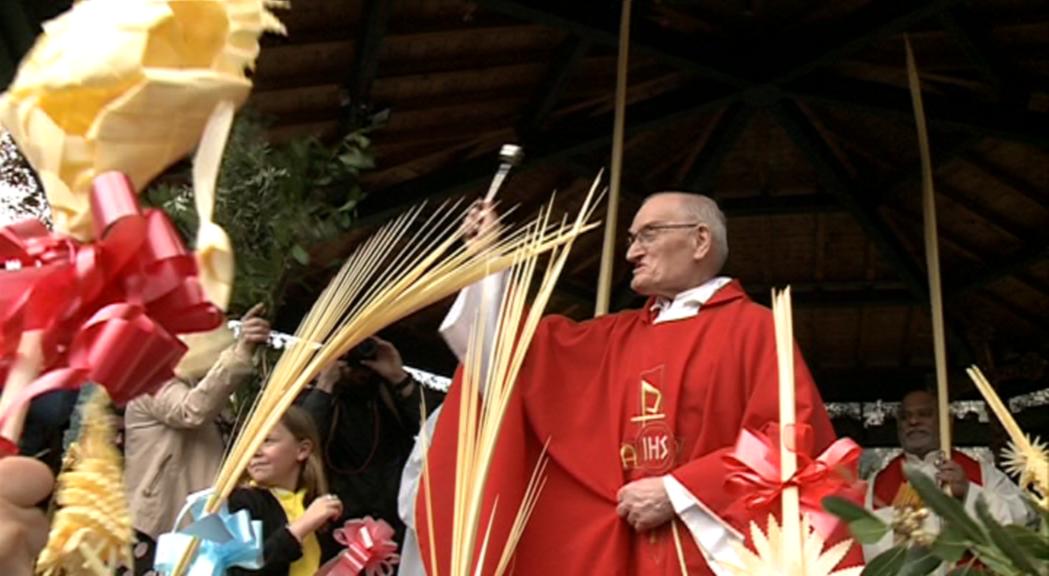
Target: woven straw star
pixel 1030 462
pixel 768 556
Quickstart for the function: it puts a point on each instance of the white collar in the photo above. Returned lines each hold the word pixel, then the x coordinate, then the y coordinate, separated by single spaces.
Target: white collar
pixel 687 304
pixel 931 457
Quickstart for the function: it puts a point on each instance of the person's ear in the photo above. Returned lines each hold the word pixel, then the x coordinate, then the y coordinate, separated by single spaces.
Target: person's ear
pixel 704 241
pixel 305 449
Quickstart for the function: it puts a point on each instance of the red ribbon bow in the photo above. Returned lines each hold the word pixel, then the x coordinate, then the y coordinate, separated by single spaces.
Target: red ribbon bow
pixel 108 311
pixel 370 549
pixel 754 471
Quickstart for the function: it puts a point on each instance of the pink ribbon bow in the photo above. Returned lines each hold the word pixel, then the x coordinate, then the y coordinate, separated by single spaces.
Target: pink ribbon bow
pixel 108 311
pixel 370 549
pixel 754 472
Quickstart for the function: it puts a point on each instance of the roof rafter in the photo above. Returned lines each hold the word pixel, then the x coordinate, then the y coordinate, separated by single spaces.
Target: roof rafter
pixel 565 58
pixel 374 17
pixel 730 127
pixel 836 181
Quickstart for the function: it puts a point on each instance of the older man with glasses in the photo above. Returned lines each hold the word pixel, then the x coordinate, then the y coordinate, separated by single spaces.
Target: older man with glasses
pixel 639 408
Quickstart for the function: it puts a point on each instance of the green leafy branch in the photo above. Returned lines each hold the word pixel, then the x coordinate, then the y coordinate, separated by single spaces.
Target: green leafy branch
pixel 274 202
pixel 1010 550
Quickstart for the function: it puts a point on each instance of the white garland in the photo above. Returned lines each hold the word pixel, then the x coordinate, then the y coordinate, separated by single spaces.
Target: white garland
pixel 280 340
pixel 20 195
pixel 871 413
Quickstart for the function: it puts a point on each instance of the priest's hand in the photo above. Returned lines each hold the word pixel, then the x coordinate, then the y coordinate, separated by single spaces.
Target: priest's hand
pixel 952 475
pixel 644 504
pixel 479 219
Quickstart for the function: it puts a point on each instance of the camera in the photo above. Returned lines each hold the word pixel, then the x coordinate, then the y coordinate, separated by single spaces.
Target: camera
pixel 366 350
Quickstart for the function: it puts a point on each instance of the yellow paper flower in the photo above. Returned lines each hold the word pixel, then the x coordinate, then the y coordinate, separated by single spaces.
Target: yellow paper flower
pixel 127 85
pixel 768 556
pixel 91 533
pixel 1031 464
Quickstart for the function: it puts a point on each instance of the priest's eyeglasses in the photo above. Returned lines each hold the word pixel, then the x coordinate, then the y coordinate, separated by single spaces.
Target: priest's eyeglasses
pixel 648 233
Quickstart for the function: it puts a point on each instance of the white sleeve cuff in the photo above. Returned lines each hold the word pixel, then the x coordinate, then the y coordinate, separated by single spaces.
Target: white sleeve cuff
pixel 712 535
pixel 971 496
pixel 458 323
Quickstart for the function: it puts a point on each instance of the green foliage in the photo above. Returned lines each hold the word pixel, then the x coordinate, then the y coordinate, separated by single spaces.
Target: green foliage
pixel 275 202
pixel 1006 550
pixel 865 527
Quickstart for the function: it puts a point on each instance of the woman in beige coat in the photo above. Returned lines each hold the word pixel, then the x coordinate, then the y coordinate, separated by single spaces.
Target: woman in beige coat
pixel 173 445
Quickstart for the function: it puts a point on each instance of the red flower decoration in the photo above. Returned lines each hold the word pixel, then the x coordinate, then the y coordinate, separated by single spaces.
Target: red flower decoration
pixel 754 472
pixel 108 311
pixel 370 549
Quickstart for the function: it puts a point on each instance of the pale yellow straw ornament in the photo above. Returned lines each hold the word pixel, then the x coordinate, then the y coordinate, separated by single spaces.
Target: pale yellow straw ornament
pixel 91 533
pixel 127 85
pixel 769 556
pixel 1028 458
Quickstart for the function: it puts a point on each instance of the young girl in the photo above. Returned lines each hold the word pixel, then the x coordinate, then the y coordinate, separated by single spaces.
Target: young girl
pixel 288 493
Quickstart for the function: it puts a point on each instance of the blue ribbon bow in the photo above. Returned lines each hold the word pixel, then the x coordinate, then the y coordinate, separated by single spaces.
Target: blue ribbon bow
pixel 225 540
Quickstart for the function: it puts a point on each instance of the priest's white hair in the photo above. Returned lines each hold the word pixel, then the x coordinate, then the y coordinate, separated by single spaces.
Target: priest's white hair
pixel 704 209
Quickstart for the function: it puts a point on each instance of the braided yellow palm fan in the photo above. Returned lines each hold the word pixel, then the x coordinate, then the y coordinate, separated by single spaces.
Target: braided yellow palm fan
pixel 91 532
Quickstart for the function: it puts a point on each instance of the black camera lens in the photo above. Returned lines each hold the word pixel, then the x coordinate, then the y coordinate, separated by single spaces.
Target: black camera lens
pixel 366 350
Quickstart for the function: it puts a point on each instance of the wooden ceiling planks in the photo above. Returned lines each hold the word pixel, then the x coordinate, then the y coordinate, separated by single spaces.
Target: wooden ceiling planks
pixel 459 76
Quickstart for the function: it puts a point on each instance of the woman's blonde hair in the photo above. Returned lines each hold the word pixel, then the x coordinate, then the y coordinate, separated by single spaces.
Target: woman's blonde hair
pixel 300 424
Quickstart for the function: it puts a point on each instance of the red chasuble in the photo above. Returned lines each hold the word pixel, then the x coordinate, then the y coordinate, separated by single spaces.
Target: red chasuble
pixel 619 399
pixel 889 480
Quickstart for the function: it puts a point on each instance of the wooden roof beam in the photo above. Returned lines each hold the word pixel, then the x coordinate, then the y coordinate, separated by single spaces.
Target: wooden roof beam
pixel 1007 266
pixel 1000 174
pixel 836 181
pixel 375 15
pixel 813 47
pixel 602 27
pixel 973 37
pixel 772 66
pixel 973 117
pixel 573 138
pixel 702 174
pixel 565 58
pixel 943 152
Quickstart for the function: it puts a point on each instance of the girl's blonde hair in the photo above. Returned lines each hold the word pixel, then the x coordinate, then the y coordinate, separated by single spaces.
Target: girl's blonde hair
pixel 300 425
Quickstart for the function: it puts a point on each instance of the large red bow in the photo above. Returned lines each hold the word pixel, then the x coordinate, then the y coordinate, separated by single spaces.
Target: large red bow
pixel 108 312
pixel 370 549
pixel 754 472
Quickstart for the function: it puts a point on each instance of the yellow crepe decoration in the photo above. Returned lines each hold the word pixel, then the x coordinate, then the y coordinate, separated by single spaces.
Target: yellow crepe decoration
pixel 907 497
pixel 127 85
pixel 91 533
pixel 770 553
pixel 214 253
